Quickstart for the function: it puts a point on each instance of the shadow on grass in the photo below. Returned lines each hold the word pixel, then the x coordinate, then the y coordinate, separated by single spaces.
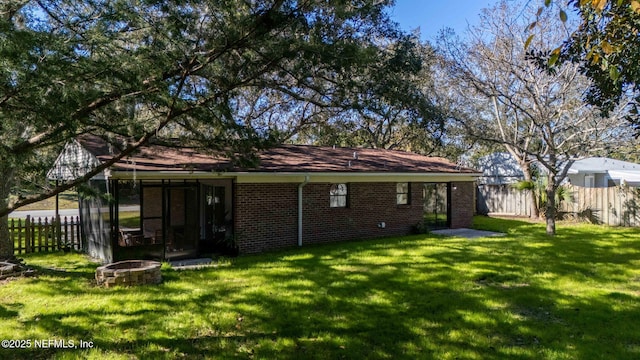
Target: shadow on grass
pixel 7 313
pixel 487 223
pixel 412 297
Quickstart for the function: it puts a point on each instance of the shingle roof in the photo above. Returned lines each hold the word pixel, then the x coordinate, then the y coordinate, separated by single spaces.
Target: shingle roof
pixel 499 168
pixel 285 158
pixel 602 165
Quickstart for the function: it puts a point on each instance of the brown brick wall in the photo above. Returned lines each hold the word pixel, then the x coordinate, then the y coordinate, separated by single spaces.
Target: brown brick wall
pixel 368 205
pixel 266 214
pixel 462 204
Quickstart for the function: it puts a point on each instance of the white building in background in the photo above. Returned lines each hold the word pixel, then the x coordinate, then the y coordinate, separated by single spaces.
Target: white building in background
pixel 499 168
pixel 604 172
pixel 593 172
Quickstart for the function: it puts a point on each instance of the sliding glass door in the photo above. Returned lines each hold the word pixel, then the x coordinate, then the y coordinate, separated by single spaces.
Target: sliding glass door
pixel 436 205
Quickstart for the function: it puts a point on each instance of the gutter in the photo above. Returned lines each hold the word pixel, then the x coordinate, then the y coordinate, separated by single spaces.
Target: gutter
pixel 294 177
pixel 300 187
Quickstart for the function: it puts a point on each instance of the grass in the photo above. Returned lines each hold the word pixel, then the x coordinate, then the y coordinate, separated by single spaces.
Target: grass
pixel 66 200
pixel 520 296
pixel 129 219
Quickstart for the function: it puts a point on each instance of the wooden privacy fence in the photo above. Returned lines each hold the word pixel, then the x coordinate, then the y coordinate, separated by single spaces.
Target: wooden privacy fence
pixel 502 200
pixel 617 206
pixel 45 234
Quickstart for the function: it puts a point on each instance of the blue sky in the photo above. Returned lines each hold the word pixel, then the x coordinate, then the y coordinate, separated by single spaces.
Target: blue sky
pixel 433 15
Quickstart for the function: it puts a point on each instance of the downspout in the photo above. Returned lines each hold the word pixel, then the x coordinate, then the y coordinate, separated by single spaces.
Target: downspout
pixel 300 186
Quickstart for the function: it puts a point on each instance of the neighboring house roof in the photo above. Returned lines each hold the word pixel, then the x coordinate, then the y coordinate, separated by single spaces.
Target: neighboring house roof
pixel 621 172
pixel 502 168
pixel 499 168
pixel 73 162
pixel 631 178
pixel 601 165
pixel 294 159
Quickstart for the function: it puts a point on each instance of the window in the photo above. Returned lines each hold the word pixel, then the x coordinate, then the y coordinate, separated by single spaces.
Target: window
pixel 338 195
pixel 589 181
pixel 402 193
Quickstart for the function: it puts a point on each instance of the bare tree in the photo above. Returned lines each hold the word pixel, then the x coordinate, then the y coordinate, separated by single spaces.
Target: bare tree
pixel 505 98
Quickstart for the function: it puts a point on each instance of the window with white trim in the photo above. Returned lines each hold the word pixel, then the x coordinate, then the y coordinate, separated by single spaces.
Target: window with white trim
pixel 589 181
pixel 338 195
pixel 402 193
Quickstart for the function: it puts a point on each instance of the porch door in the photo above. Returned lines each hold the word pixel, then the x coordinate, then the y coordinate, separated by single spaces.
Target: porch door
pixel 214 217
pixel 436 205
pixel 182 226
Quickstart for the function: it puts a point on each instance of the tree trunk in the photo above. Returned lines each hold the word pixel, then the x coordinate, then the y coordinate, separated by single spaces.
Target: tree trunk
pixel 6 242
pixel 535 208
pixel 550 210
pixel 6 245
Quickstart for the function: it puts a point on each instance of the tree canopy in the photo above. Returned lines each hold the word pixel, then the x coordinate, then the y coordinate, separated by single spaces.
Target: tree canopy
pixel 145 70
pixel 396 110
pixel 606 45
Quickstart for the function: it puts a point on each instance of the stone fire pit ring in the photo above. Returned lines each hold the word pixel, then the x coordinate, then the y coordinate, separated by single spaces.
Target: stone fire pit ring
pixel 129 273
pixel 8 269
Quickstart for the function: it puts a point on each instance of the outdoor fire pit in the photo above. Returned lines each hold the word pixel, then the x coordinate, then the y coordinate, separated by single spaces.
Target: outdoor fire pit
pixel 129 273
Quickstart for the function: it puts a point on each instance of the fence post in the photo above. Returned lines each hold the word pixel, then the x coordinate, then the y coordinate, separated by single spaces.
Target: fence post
pixel 39 228
pixel 58 232
pixel 77 232
pixel 51 239
pixel 27 234
pixel 12 232
pixel 71 234
pixel 47 234
pixel 66 231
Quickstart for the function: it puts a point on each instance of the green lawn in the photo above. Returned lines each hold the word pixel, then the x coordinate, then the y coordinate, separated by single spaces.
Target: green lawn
pixel 66 200
pixel 521 296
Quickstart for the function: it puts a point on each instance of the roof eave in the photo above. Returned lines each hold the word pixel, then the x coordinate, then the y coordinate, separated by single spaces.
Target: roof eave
pixel 274 177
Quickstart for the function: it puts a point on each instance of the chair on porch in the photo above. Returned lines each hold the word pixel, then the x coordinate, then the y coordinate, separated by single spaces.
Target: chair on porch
pixel 130 238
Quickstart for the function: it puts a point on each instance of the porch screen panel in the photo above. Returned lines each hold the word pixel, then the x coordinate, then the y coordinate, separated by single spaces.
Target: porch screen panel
pixel 152 214
pixel 94 219
pixel 129 219
pixel 183 227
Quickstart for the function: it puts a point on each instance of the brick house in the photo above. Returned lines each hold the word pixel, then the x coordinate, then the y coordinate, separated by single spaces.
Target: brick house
pixel 171 203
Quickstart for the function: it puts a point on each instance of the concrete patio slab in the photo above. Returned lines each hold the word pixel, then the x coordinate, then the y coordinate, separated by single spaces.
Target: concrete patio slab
pixel 466 233
pixel 191 263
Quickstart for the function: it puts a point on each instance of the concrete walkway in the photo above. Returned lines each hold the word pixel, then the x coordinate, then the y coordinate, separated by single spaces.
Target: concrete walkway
pixel 466 233
pixel 190 264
